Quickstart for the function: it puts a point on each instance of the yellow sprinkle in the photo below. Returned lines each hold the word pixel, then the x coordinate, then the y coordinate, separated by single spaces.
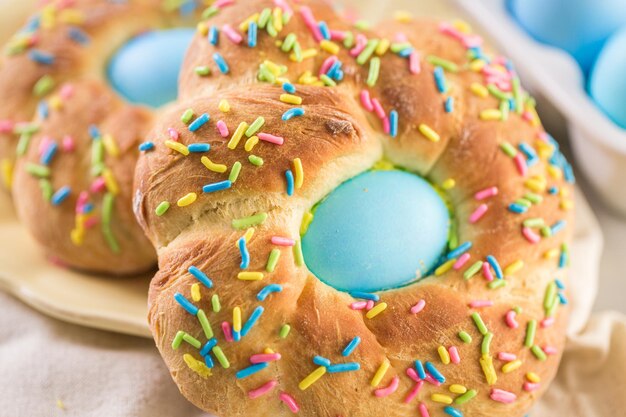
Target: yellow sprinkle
pixel 514 267
pixel 277 18
pixel 109 181
pixel 491 114
pixel 555 172
pixel 330 47
pixel 457 389
pixel 307 53
pixel 462 26
pixel 566 205
pixel 237 319
pixel 442 269
pixel 312 377
pixel 72 16
pixel 376 310
pixel 251 143
pixel 536 183
pixel 249 233
pixel 197 366
pixel 443 355
pixel 448 184
pixel 306 221
pixel 533 377
pixel 383 47
pixel 177 146
pixel 250 276
pixel 544 149
pixel 202 29
pixel 290 99
pixel 403 16
pixel 299 171
pixel 244 25
pixel 187 200
pixel 77 236
pixel 551 254
pixel 564 192
pixel 479 89
pixel 268 351
pixel 429 133
pixel 234 140
pixel 477 65
pixel 110 145
pixel 6 168
pixel 441 398
pixel 380 373
pixel 60 405
pixel 511 366
pixel 224 106
pixel 195 292
pixel 212 166
pixel 273 67
pixel 486 362
pixel 55 103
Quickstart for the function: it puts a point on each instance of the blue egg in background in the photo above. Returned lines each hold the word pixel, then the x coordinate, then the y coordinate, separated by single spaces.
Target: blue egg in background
pixel 607 84
pixel 580 27
pixel 378 230
pixel 145 70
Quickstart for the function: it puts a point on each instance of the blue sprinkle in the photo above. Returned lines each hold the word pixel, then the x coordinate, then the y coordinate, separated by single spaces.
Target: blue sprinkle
pixel 252 320
pixel 562 299
pixel 347 351
pixel 214 35
pixel 236 336
pixel 293 112
pixel 252 34
pixel 517 208
pixel 343 367
pixel 78 36
pixel 199 147
pixel 420 369
pixel 61 195
pixel 186 304
pixel 221 63
pixel 558 226
pixel 88 208
pixel 187 8
pixel 440 79
pixel 94 132
pixel 365 295
pixel 245 255
pixel 40 57
pixel 451 411
pixel 435 372
pixel 339 75
pixel 527 150
pixel 553 190
pixel 405 53
pixel 251 370
pixel 568 173
pixel 393 123
pixel 532 161
pixel 334 70
pixel 217 186
pixel 449 105
pixel 43 110
pixel 208 346
pixel 49 153
pixel 267 290
pixel 563 259
pixel 289 88
pixel 199 122
pixel 324 30
pixel 496 266
pixel 289 178
pixel 559 284
pixel 146 146
pixel 208 361
pixel 200 276
pixel 321 361
pixel 460 250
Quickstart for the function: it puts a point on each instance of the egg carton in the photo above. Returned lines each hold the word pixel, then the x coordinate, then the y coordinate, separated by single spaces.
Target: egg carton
pixel 598 144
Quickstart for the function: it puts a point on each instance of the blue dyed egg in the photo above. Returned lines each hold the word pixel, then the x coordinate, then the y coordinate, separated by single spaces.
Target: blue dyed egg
pixel 580 27
pixel 145 69
pixel 379 230
pixel 607 85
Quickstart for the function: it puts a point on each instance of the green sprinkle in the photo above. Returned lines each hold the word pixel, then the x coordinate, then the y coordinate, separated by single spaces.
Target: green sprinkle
pixel 480 324
pixel 266 75
pixel 466 397
pixel 272 260
pixel 444 63
pixel 465 336
pixel 286 18
pixel 215 303
pixel 203 71
pixel 264 17
pixel 495 284
pixel 107 213
pixel 289 42
pixel 96 169
pixel 453 237
pixel 504 110
pixel 162 208
pixel 178 339
pixel 255 160
pixel 234 172
pixel 362 25
pixel 297 51
pixel 508 149
pixel 210 12
pixel 255 126
pixel 374 71
pixel 399 46
pixel 367 52
pixel 284 331
pixel 497 93
pixel 246 222
pixel 486 345
pixel 192 341
pixel 539 353
pixel 221 358
pixel 329 82
pixel 271 29
pixel 533 198
pixel 297 253
pixel 519 99
pixel 534 222
pixel 531 330
pixel 206 325
pixel 550 296
pixel 550 312
pixel 524 202
pixel 473 270
pixel 546 231
pixel 22 145
pixel 46 189
pixel 97 152
pixel 111 241
pixel 187 116
pixel 37 170
pixel 348 42
pixel 26 129
pixel 43 86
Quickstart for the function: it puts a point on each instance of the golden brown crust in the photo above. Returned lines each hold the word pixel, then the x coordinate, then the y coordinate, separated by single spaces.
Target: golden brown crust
pixel 336 139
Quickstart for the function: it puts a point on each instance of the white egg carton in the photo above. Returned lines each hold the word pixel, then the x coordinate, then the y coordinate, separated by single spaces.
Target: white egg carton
pixel 599 145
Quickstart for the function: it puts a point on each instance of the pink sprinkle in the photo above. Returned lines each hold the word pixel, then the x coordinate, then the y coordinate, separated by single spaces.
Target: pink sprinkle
pixel 82 199
pixel 366 100
pixel 461 261
pixel 432 380
pixel 338 35
pixel 68 144
pixel 266 137
pixel 282 241
pixel 550 350
pixel 369 305
pixel 530 235
pixel 547 322
pixel 400 37
pixel 480 303
pixel 390 389
pixel 487 272
pixel 283 5
pixel 418 307
pixel 527 116
pixel 447 29
pixel 504 85
pixel 378 109
pixel 414 391
pixel 97 186
pixel 223 129
pixel 478 213
pixel 232 34
pixel 262 390
pixel 543 136
pixel 530 386
pixel 173 133
pixel 361 43
pixel 67 91
pixel 309 21
pixel 6 126
pixel 91 222
pixel 486 193
pixel 520 163
pixel 46 142
pixel 228 334
pixel 502 396
pixel 328 62
pixel 506 356
pixel 223 3
pixel 423 410
pixel 358 305
pixel 454 355
pixel 386 125
pixel 289 401
pixel 412 373
pixel 415 66
pixel 265 357
pixel 472 41
pixel 510 319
